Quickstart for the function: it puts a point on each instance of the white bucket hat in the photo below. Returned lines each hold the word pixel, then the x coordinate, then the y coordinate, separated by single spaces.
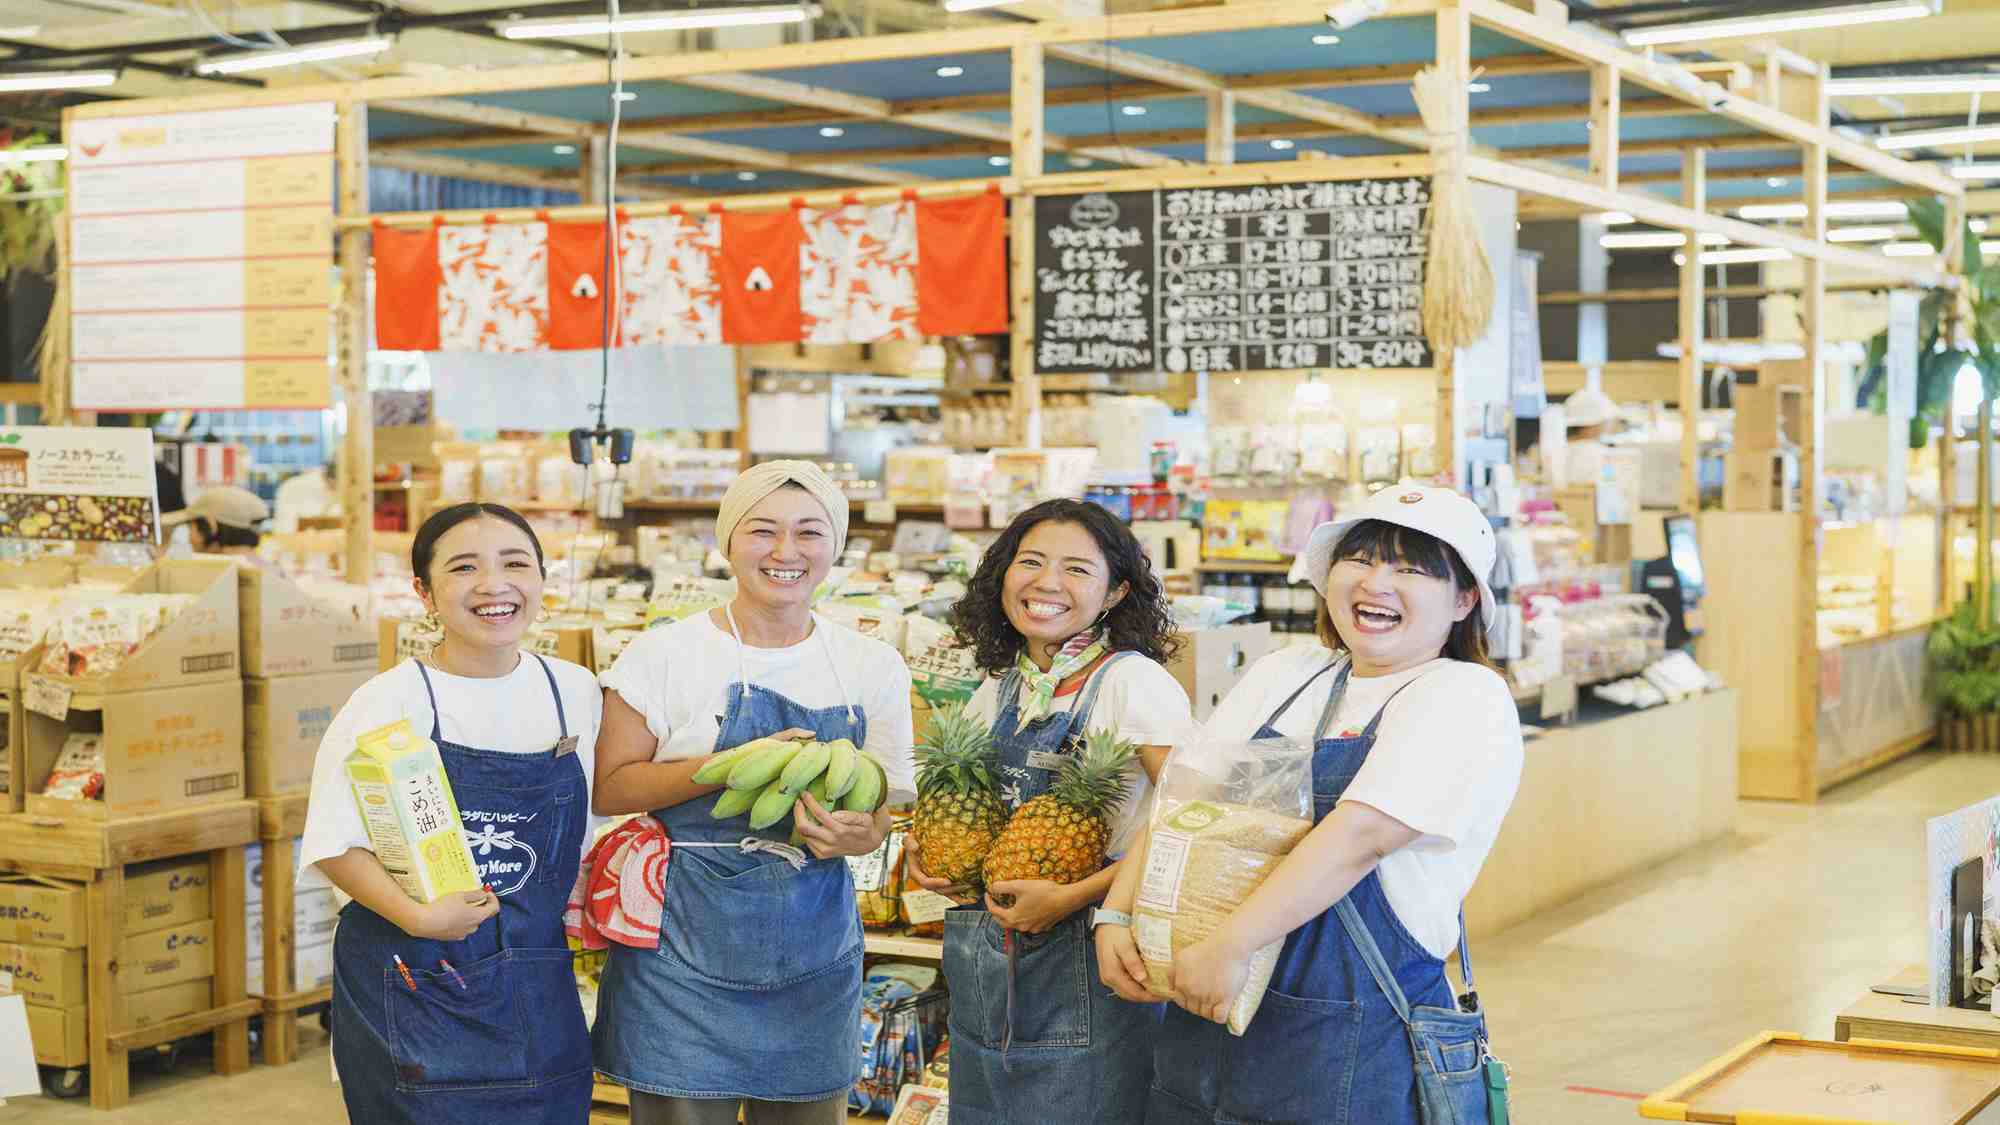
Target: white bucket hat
pixel 1437 512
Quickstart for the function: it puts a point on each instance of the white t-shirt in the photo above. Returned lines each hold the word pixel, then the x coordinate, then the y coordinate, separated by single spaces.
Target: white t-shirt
pixel 511 714
pixel 679 677
pixel 1447 761
pixel 1136 697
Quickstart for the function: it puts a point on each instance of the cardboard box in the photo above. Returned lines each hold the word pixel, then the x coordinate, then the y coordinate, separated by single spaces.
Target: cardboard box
pixel 403 638
pixel 158 1005
pixel 313 919
pixel 1761 480
pixel 46 975
pixel 174 955
pixel 312 967
pixel 201 645
pixel 412 819
pixel 163 750
pixel 283 722
pixel 61 1035
pixel 169 892
pixel 288 632
pixel 42 912
pixel 1211 661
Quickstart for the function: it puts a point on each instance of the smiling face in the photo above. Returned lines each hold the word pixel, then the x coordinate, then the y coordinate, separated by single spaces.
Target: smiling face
pixel 1057 586
pixel 485 583
pixel 782 549
pixel 1390 611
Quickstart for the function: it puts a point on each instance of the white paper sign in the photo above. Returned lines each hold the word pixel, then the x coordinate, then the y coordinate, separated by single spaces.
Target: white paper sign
pixel 1904 306
pixel 18 1076
pixel 46 697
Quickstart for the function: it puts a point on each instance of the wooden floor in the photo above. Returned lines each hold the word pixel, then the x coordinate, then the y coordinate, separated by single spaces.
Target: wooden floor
pixel 1779 926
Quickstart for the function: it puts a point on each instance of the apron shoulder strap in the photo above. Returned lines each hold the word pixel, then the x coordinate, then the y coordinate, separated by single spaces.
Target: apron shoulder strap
pixel 1330 665
pixel 562 721
pixel 1087 702
pixel 437 716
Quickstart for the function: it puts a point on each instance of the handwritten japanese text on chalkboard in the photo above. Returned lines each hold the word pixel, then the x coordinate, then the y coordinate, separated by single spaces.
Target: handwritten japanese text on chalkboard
pixel 1232 279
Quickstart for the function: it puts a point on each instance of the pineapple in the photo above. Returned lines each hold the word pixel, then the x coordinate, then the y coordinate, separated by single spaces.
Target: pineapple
pixel 958 814
pixel 1061 835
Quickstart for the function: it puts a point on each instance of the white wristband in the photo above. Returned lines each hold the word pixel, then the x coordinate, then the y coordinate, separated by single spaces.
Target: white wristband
pixel 1103 917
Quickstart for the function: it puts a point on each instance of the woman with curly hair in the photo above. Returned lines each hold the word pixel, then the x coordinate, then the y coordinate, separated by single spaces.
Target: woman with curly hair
pixel 1071 625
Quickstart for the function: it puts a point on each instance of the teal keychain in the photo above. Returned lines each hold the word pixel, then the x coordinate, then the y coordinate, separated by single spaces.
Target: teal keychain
pixel 1496 1091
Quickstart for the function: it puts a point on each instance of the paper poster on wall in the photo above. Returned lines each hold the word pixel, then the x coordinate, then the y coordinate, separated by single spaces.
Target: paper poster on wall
pixel 1951 843
pixel 78 483
pixel 201 249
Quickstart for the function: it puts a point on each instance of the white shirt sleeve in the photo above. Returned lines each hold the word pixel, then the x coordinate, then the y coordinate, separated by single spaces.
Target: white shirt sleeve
pixel 1447 753
pixel 333 823
pixel 890 734
pixel 1150 706
pixel 639 676
pixel 1276 675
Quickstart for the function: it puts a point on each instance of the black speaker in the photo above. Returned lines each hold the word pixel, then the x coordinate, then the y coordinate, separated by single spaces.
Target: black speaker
pixel 579 446
pixel 621 446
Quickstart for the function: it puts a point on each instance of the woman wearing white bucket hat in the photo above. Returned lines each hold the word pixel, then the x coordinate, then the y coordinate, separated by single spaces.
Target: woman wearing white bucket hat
pixel 1368 904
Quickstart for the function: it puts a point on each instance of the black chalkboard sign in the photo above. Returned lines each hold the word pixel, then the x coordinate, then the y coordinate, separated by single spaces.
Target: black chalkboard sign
pixel 1263 277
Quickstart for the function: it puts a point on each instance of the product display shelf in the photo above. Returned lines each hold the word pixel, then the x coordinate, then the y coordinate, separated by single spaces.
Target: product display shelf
pixel 902 945
pixel 610 1104
pixel 280 821
pixel 95 853
pixel 1242 566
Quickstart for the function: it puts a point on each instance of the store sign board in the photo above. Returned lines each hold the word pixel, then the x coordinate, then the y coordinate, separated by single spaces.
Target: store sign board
pixel 201 259
pixel 78 483
pixel 1904 306
pixel 1213 279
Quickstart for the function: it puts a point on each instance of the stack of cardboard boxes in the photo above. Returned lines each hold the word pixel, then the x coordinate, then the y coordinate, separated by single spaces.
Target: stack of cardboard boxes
pixel 166 960
pixel 1764 462
pixel 313 916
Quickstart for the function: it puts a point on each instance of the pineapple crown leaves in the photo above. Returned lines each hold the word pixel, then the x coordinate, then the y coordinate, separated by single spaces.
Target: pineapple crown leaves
pixel 1097 779
pixel 956 753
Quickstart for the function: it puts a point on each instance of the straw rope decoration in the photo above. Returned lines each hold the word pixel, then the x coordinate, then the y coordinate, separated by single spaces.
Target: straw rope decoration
pixel 1458 280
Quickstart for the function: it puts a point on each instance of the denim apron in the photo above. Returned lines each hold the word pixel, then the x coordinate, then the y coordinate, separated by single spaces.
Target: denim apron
pixel 1352 992
pixel 755 989
pixel 503 1038
pixel 1052 1044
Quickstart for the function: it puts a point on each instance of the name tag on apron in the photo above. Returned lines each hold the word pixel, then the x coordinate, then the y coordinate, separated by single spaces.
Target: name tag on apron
pixel 566 746
pixel 1046 760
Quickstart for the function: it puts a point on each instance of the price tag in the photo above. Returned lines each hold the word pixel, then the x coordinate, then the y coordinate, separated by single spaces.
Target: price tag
pixel 6 982
pixel 1558 698
pixel 881 512
pixel 925 907
pixel 871 871
pixel 46 697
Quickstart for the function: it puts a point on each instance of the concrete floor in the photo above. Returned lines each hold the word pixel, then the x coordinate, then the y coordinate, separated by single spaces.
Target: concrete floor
pixel 1614 996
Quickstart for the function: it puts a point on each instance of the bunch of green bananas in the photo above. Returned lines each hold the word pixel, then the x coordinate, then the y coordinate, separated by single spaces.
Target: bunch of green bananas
pixel 766 775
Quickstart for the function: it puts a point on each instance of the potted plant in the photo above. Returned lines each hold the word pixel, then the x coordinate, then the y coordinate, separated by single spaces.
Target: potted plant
pixel 1965 677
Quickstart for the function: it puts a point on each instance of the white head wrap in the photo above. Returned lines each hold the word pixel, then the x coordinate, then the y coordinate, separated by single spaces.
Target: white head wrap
pixel 760 481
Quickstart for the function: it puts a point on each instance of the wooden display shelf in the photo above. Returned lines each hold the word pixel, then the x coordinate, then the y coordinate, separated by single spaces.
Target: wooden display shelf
pixel 902 945
pixel 1876 1016
pixel 280 820
pixel 1241 566
pixel 95 853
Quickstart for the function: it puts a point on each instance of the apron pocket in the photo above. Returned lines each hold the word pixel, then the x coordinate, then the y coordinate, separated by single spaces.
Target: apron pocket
pixel 1266 1079
pixel 443 1037
pixel 560 1045
pixel 1051 982
pixel 761 928
pixel 1451 1084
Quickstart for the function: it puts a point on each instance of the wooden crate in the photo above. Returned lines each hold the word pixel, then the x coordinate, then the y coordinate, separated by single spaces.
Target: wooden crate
pixel 96 854
pixel 280 821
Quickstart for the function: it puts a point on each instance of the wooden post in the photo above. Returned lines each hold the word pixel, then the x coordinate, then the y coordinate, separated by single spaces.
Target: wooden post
pixel 1948 513
pixel 281 1030
pixel 110 1070
pixel 1604 130
pixel 1812 105
pixel 1454 67
pixel 1027 117
pixel 1221 134
pixel 1694 196
pixel 357 451
pixel 742 441
pixel 230 897
pixel 592 157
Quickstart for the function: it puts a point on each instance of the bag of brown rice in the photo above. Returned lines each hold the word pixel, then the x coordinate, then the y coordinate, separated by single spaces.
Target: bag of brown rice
pixel 1226 814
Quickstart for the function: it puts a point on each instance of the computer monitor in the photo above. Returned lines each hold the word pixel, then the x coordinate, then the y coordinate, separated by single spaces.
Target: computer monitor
pixel 1685 554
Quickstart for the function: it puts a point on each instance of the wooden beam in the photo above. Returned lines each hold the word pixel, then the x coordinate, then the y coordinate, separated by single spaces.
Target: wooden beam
pixel 1604 87
pixel 1454 72
pixel 481 171
pixel 1595 49
pixel 677 67
pixel 750 157
pixel 1219 140
pixel 492 116
pixel 1810 105
pixel 1027 115
pixel 1694 196
pixel 356 468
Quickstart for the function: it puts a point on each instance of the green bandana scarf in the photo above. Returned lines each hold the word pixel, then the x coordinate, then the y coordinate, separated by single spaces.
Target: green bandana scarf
pixel 1038 688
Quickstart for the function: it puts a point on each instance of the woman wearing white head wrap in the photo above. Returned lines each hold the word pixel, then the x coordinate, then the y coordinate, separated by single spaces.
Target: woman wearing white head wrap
pixel 754 992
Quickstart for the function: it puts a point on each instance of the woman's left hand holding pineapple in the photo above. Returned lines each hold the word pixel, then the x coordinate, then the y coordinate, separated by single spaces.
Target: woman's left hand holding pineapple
pixel 1038 904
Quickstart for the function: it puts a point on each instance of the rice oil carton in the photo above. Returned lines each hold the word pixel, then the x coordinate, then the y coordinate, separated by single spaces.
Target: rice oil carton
pixel 412 818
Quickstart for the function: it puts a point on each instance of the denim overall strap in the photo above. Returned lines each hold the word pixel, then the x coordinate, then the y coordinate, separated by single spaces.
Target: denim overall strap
pixel 1271 724
pixel 437 717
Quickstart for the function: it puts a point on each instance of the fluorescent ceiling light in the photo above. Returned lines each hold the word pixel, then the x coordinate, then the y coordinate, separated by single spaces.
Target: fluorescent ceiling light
pixel 832 131
pixel 565 150
pixel 1908 249
pixel 1978 170
pixel 1861 234
pixel 1743 256
pixel 625 96
pixel 36 154
pixel 1925 138
pixel 1850 209
pixel 1133 110
pixel 999 161
pixel 1906 84
pixel 1325 40
pixel 1281 144
pixel 1478 87
pixel 974 5
pixel 1846 15
pixel 746 177
pixel 1615 218
pixel 57 80
pixel 950 71
pixel 756 16
pixel 293 56
pixel 1774 181
pixel 1643 240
